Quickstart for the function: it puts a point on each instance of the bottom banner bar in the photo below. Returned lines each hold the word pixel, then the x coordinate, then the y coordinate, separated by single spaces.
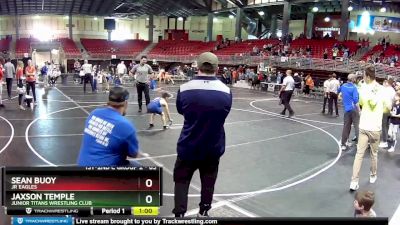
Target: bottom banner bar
pixel 19 220
pixel 218 221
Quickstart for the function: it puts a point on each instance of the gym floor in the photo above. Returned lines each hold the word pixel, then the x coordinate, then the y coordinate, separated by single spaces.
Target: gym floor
pixel 273 166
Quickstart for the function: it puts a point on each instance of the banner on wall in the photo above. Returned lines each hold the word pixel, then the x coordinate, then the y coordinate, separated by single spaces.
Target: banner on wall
pixel 380 23
pixel 391 24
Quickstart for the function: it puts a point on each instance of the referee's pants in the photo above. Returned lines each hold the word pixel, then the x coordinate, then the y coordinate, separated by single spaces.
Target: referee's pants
pixel 142 88
pixel 183 173
pixel 286 96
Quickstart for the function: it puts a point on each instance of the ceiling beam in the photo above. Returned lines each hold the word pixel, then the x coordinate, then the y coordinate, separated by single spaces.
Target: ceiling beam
pixel 80 6
pixel 99 6
pixel 15 7
pixel 8 7
pixel 72 7
pixel 94 4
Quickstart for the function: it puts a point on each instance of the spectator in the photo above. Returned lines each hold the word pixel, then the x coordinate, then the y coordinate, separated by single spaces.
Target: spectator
pixel 388 94
pixel 333 88
pixel 309 84
pixel 326 93
pixel 9 71
pixel 202 140
pixel 87 70
pixel 30 72
pixel 297 84
pixel 1 83
pixel 326 53
pixel 363 203
pixel 373 105
pixel 349 94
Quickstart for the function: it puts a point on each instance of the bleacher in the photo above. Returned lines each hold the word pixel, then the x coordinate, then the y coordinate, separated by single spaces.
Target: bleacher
pixel 377 50
pixel 181 47
pixel 318 46
pixel 244 47
pixel 5 45
pixel 70 48
pixel 22 46
pixel 99 48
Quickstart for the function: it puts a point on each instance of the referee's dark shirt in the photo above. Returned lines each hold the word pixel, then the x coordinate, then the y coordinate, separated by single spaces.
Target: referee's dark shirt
pixel 205 102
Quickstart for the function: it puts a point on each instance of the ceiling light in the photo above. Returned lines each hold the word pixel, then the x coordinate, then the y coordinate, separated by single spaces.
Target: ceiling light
pixel 147 18
pixel 261 13
pixel 390 21
pixel 315 9
pixel 215 19
pixel 66 17
pixel 95 18
pixel 180 18
pixel 350 8
pixel 327 19
pixel 37 17
pixel 231 17
pixel 383 9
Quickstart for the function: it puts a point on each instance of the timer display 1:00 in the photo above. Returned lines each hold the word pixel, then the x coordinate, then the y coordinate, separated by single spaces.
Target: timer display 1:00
pixel 145 211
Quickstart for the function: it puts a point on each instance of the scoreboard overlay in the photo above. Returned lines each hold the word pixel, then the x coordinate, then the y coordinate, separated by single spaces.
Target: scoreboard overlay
pixel 81 190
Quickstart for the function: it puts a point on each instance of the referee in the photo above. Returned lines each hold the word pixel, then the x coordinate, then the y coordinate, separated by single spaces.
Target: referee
pixel 142 72
pixel 205 102
pixel 286 93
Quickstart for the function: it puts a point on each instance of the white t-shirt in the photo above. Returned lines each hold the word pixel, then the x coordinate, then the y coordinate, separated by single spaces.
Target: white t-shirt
pixel 389 93
pixel 326 86
pixel 87 68
pixel 334 86
pixel 121 68
pixel 288 82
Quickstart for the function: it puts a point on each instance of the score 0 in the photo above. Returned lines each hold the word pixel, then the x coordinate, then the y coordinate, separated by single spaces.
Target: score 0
pixel 148 184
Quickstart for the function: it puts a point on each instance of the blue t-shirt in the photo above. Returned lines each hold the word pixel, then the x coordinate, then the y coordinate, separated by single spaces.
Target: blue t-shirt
pixel 349 96
pixel 108 139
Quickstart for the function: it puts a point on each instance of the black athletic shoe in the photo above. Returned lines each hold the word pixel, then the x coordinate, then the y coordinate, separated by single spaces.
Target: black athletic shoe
pixel 179 215
pixel 354 139
pixel 165 127
pixel 140 110
pixel 2 106
pixel 151 125
pixel 291 115
pixel 282 113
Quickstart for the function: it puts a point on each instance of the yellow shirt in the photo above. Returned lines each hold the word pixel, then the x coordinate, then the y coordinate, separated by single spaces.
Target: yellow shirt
pixel 373 105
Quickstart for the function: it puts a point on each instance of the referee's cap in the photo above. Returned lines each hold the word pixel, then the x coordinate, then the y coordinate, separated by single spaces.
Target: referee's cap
pixel 208 57
pixel 118 95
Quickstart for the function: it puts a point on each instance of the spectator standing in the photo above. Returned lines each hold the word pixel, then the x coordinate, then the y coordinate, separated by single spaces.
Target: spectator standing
pixel 9 71
pixel 333 88
pixel 389 94
pixel 77 69
pixel 326 93
pixel 1 84
pixel 87 70
pixel 297 84
pixel 30 72
pixel 350 97
pixel 373 105
pixel 205 102
pixel 142 72
pixel 19 72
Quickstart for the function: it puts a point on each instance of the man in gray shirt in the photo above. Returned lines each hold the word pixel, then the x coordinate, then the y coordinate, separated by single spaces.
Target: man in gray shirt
pixel 9 73
pixel 142 72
